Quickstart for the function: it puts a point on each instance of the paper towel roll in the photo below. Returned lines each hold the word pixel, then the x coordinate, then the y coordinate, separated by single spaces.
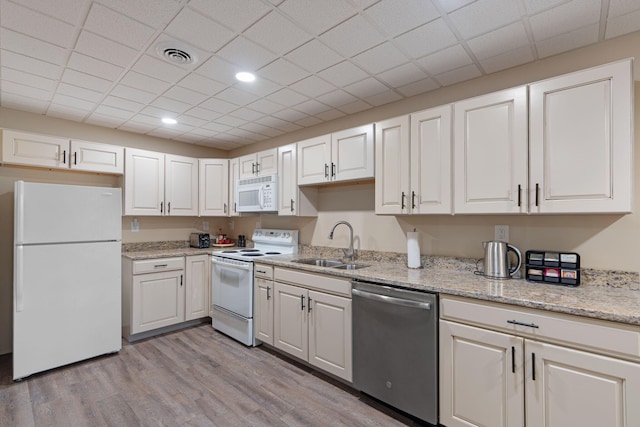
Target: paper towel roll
pixel 413 249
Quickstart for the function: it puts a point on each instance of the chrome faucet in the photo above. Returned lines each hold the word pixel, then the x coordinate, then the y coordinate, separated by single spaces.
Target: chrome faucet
pixel 349 252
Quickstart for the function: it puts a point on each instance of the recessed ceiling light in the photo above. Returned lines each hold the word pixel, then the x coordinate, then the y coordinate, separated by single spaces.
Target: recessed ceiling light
pixel 169 121
pixel 244 76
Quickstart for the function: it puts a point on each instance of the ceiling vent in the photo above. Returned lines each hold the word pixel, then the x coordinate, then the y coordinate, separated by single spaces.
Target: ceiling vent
pixel 176 53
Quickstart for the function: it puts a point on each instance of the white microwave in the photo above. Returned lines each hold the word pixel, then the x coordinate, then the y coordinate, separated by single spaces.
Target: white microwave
pixel 259 194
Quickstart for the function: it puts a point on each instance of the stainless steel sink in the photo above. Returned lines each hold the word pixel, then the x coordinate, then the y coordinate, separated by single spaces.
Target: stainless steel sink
pixel 320 262
pixel 351 266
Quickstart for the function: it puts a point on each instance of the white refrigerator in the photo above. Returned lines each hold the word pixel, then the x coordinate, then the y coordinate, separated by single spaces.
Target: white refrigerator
pixel 66 275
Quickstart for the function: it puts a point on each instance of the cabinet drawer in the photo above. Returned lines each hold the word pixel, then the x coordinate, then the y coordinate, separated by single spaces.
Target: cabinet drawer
pixel 263 271
pixel 314 281
pixel 592 334
pixel 158 264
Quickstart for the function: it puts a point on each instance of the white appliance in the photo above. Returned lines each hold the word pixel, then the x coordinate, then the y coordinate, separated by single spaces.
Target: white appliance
pixel 232 281
pixel 66 275
pixel 259 194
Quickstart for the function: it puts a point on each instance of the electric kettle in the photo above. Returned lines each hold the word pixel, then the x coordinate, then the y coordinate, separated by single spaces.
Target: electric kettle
pixel 496 260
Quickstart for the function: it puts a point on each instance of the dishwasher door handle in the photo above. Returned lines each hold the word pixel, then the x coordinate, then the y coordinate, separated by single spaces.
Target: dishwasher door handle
pixel 392 300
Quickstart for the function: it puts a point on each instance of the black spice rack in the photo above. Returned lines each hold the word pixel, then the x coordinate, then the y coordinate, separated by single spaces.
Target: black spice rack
pixel 561 268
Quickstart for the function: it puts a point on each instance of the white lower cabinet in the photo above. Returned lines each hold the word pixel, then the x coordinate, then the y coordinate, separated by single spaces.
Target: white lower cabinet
pixel 160 292
pixel 263 303
pixel 312 320
pixel 512 377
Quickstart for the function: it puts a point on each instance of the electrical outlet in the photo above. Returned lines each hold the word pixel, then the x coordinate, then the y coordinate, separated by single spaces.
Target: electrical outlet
pixel 258 225
pixel 135 227
pixel 205 226
pixel 232 225
pixel 502 233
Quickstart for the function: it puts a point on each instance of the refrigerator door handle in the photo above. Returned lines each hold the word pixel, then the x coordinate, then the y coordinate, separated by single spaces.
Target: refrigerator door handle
pixel 19 282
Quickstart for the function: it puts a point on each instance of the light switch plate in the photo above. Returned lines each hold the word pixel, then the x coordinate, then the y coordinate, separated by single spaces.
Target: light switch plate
pixel 135 226
pixel 502 233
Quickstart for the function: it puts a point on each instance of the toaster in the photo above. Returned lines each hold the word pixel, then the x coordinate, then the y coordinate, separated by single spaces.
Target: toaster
pixel 200 240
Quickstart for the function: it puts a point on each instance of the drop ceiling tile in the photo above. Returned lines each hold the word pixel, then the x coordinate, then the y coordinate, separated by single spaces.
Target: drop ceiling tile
pixel 621 7
pixel 277 33
pixel 330 115
pixel 246 114
pixel 191 120
pixel 507 38
pixel 343 74
pixel 187 96
pixel 318 16
pixel 312 87
pixel 445 60
pixel 70 11
pixel 451 5
pixel 218 105
pixel 106 50
pixel 508 59
pixel 402 75
pixel 66 112
pixel 156 112
pixel 203 113
pixel 117 27
pixel 314 56
pixel 422 86
pixel 151 13
pixel 133 94
pixel 86 81
pixel 246 54
pixel 337 98
pixel 133 126
pixel 366 88
pixel 261 87
pixel 70 101
pixel 162 70
pixel 201 84
pixel 623 24
pixel 29 65
pixel 383 98
pixel 380 58
pixel 290 127
pixel 537 6
pixel 461 74
pixel 273 122
pixel 23 102
pixel 145 83
pixel 236 14
pixel 163 132
pixel 283 72
pixel 146 119
pixel 194 28
pixel 265 106
pixel 202 133
pixel 290 115
pixel 484 16
pixel 124 104
pixel 94 67
pixel 36 25
pixel 104 121
pixel 565 18
pixel 216 127
pixel 360 35
pixel 287 97
pixel 79 92
pixel 399 16
pixel 219 70
pixel 355 107
pixel 427 39
pixel 246 134
pixel 236 96
pixel 308 121
pixel 257 128
pixel 114 112
pixel 170 105
pixel 28 46
pixel 311 107
pixel 26 79
pixel 568 41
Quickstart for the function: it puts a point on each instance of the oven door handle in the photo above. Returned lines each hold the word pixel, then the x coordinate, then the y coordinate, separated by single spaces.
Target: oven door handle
pixel 248 266
pixel 392 300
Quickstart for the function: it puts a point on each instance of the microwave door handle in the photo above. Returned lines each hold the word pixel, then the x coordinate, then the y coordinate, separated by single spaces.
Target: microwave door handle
pixel 260 195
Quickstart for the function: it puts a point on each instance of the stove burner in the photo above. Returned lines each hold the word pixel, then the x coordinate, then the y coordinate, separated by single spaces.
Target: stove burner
pixel 230 252
pixel 249 250
pixel 273 253
pixel 253 254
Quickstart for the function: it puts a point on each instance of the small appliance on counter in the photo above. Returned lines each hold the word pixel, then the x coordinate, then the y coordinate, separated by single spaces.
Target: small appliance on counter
pixel 561 268
pixel 496 262
pixel 200 240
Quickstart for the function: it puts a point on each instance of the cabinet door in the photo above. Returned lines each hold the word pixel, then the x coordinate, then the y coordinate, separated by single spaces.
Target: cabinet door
pixel 267 162
pixel 581 141
pixel 287 181
pixel 143 182
pixel 392 166
pixel 157 300
pixel 491 153
pixel 576 388
pixel 214 187
pixel 22 148
pixel 198 287
pixel 330 347
pixel 290 320
pixel 352 154
pixel 96 157
pixel 181 186
pixel 431 161
pixel 314 158
pixel 234 176
pixel 263 310
pixel 481 378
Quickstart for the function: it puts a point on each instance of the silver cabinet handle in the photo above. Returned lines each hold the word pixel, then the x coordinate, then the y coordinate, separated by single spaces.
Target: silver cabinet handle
pixel 169 207
pixel 392 300
pixel 268 292
pixel 225 208
pixel 161 206
pixel 529 325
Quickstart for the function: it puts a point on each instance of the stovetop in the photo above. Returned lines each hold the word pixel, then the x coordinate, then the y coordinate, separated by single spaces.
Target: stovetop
pixel 267 242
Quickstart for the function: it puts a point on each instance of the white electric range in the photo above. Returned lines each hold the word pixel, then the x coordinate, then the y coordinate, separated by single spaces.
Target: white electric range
pixel 232 281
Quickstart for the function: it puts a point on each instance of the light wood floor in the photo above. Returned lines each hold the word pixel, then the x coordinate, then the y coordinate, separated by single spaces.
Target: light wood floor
pixel 193 377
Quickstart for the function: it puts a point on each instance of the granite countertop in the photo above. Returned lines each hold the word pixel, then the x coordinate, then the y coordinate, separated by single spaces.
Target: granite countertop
pixel 610 297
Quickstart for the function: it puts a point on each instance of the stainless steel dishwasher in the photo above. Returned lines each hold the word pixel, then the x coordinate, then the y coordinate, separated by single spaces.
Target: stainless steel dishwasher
pixel 395 347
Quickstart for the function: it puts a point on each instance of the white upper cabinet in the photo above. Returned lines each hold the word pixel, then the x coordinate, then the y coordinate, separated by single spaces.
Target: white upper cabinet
pixel 259 164
pixel 29 149
pixel 159 184
pixel 490 152
pixel 341 156
pixel 581 141
pixel 214 187
pixel 413 163
pixel 294 200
